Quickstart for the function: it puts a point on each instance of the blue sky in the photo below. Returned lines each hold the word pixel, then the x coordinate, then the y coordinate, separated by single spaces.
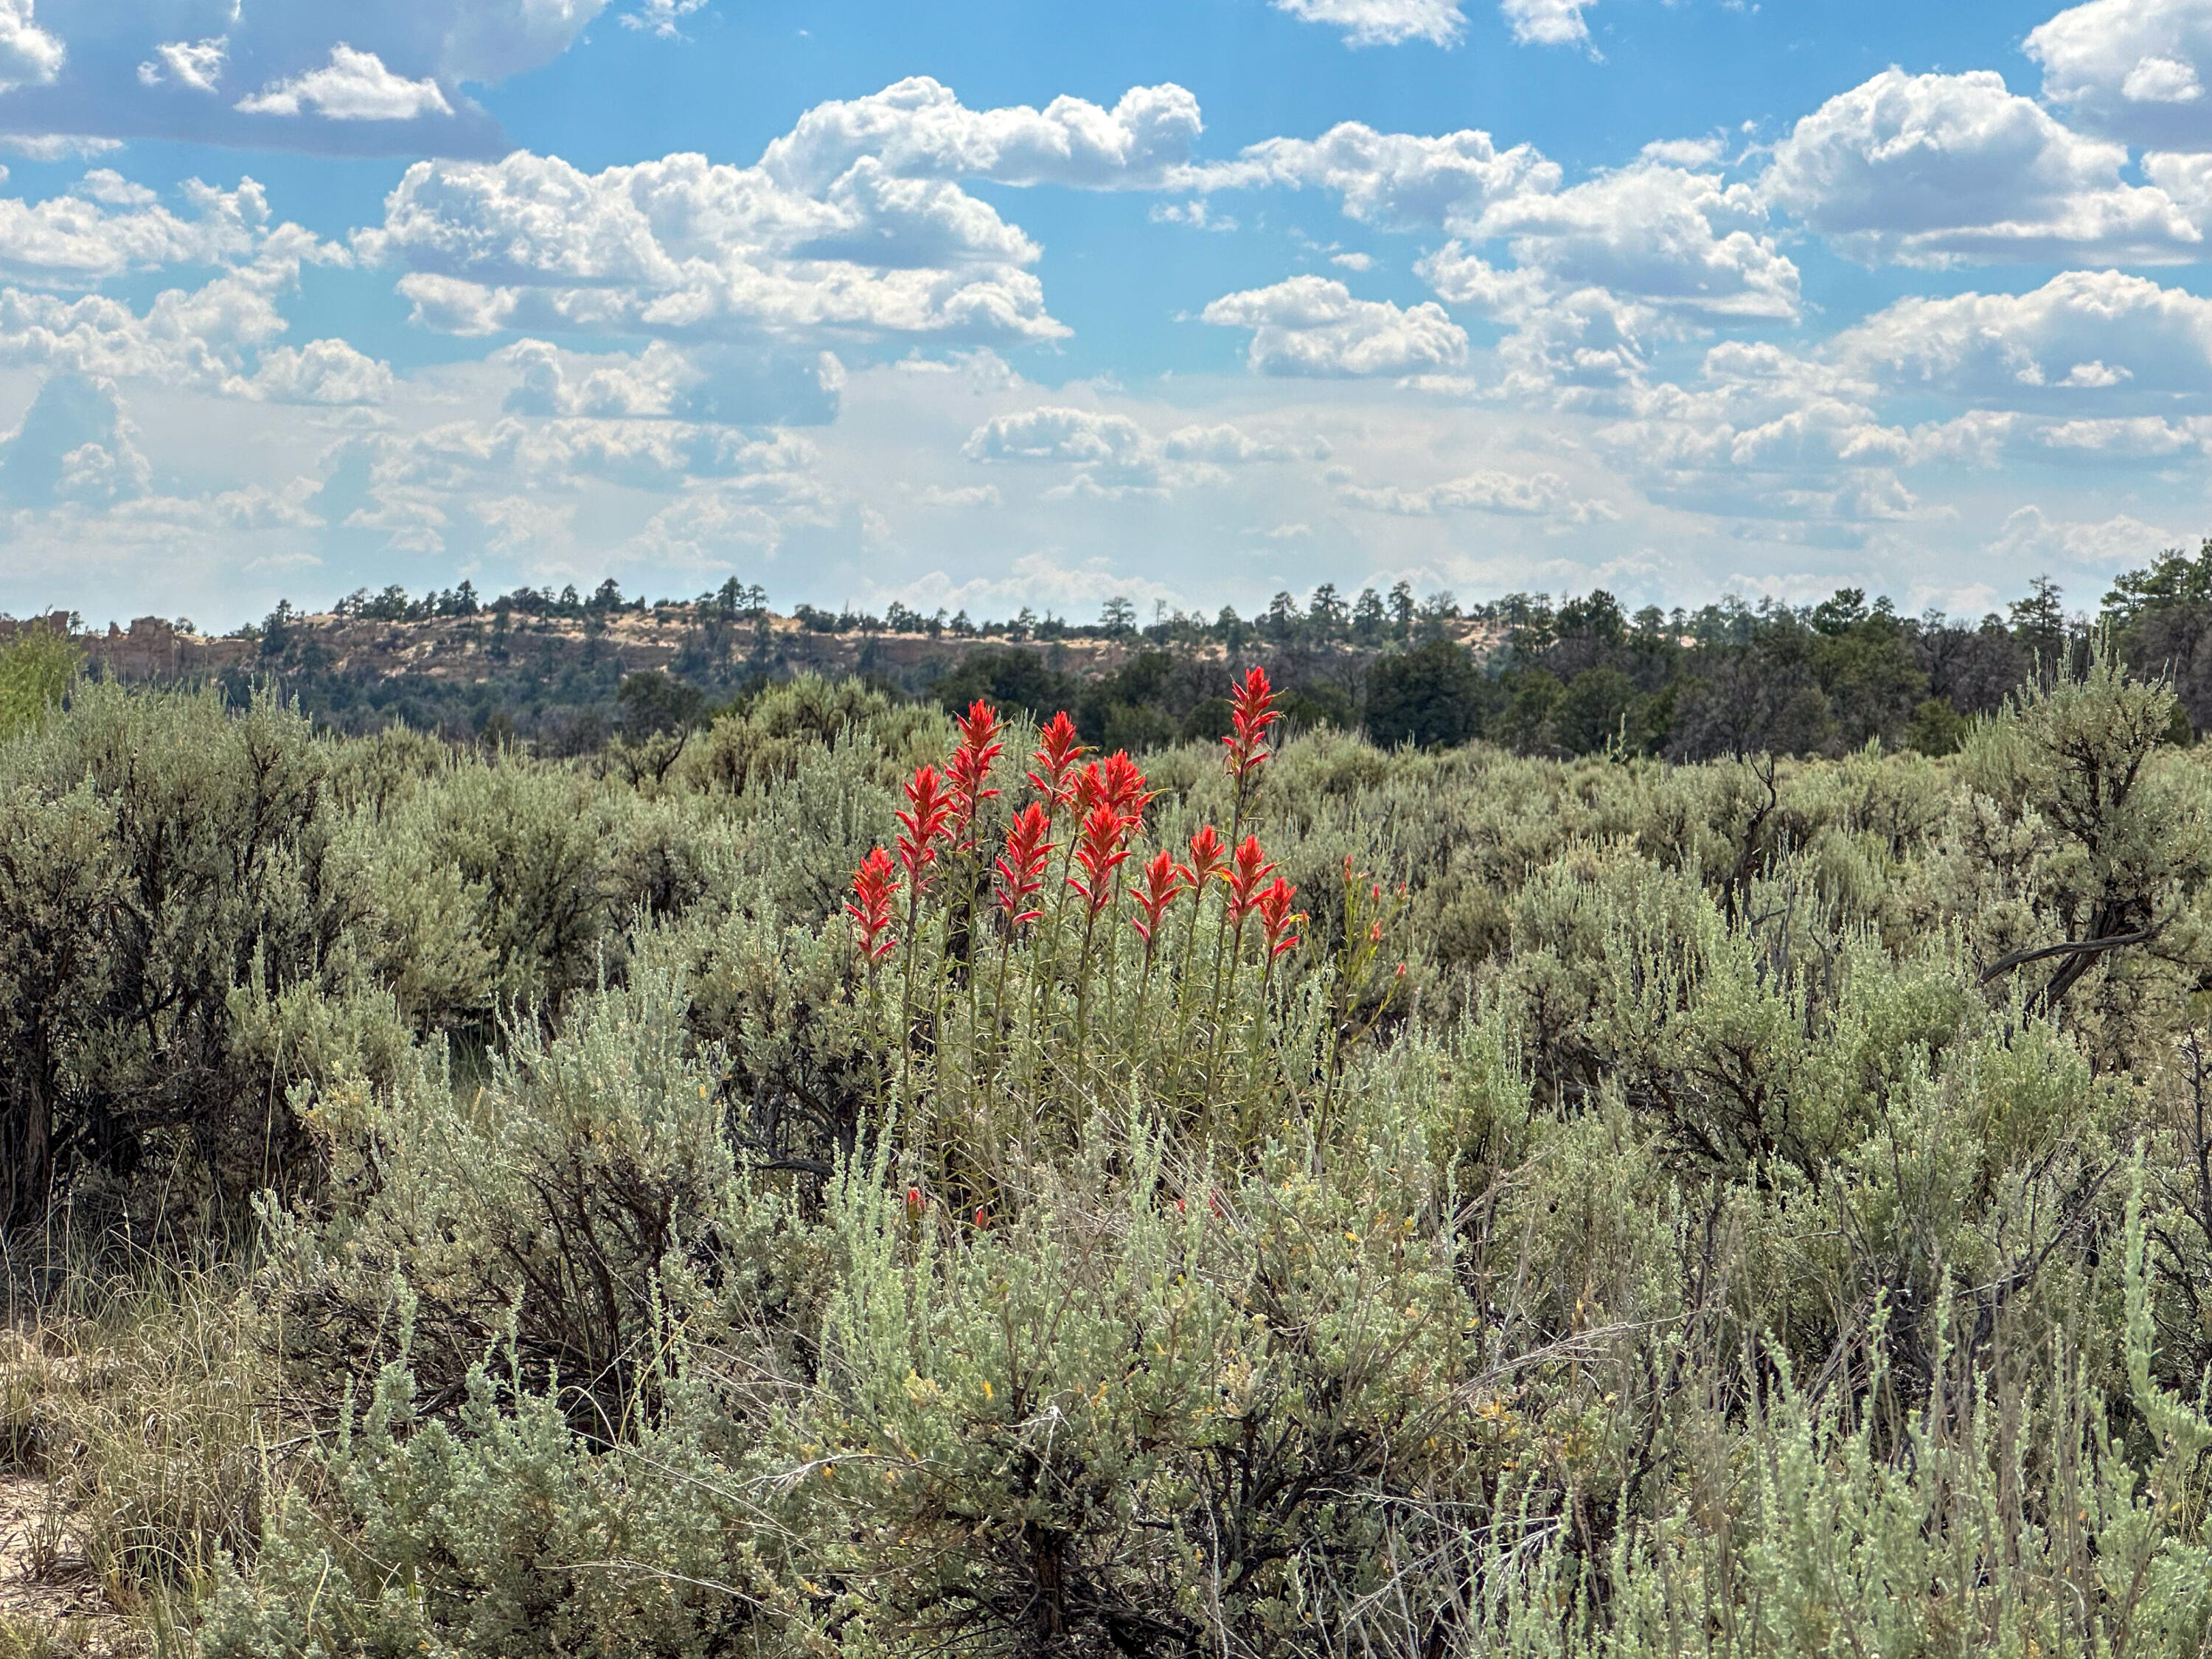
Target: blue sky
pixel 974 306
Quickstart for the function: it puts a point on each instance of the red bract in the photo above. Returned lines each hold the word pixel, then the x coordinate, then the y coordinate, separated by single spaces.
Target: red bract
pixel 1057 751
pixel 1276 917
pixel 1099 851
pixel 1087 789
pixel 1252 711
pixel 874 885
pixel 1247 871
pixel 971 765
pixel 924 817
pixel 1022 867
pixel 1124 787
pixel 1161 884
pixel 1209 855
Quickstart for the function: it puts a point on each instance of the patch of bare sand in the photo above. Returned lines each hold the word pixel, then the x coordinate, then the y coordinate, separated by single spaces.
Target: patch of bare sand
pixel 46 1586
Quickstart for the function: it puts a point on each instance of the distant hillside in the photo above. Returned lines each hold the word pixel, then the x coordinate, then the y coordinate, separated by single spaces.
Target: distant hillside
pixel 555 674
pixel 569 675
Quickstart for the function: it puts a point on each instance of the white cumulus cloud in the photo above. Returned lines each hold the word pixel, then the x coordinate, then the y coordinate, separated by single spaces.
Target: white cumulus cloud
pixel 1310 326
pixel 1658 231
pixel 354 86
pixel 2083 335
pixel 29 56
pixel 1932 168
pixel 687 249
pixel 1114 454
pixel 329 372
pixel 1547 22
pixel 1384 23
pixel 195 64
pixel 1393 180
pixel 919 129
pixel 2134 70
pixel 386 78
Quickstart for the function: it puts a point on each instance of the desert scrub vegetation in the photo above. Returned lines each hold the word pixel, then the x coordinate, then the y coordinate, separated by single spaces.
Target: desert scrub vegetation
pixel 870 1180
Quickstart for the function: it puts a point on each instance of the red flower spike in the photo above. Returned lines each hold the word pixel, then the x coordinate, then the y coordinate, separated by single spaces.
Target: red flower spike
pixel 913 1202
pixel 1022 867
pixel 1249 867
pixel 1209 856
pixel 971 768
pixel 1213 1203
pixel 1161 883
pixel 1252 710
pixel 1277 918
pixel 1086 789
pixel 1099 851
pixel 982 1219
pixel 874 885
pixel 1057 751
pixel 928 809
pixel 1123 787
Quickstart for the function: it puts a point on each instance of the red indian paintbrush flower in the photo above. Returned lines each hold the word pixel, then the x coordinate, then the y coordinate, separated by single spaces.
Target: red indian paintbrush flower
pixel 1099 851
pixel 971 768
pixel 1276 917
pixel 1209 856
pixel 1161 883
pixel 1252 711
pixel 1124 786
pixel 874 885
pixel 1022 867
pixel 1057 751
pixel 927 810
pixel 1248 870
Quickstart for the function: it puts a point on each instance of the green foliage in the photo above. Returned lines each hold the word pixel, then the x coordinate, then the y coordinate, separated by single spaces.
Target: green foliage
pixel 1751 1207
pixel 37 668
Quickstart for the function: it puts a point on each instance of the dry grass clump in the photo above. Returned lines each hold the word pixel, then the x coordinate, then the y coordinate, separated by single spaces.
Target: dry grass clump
pixel 143 1436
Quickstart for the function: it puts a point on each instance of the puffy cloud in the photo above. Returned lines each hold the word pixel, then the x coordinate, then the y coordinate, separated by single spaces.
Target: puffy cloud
pixel 1580 342
pixel 2083 334
pixel 56 146
pixel 661 17
pixel 329 372
pixel 2132 68
pixel 74 445
pixel 1547 22
pixel 1310 326
pixel 1385 23
pixel 197 65
pixel 1932 168
pixel 2140 437
pixel 1531 494
pixel 1394 180
pixel 728 385
pixel 106 226
pixel 381 79
pixel 1114 455
pixel 827 239
pixel 29 56
pixel 1763 433
pixel 1657 232
pixel 202 339
pixel 1055 434
pixel 2032 540
pixel 918 128
pixel 1196 213
pixel 354 86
